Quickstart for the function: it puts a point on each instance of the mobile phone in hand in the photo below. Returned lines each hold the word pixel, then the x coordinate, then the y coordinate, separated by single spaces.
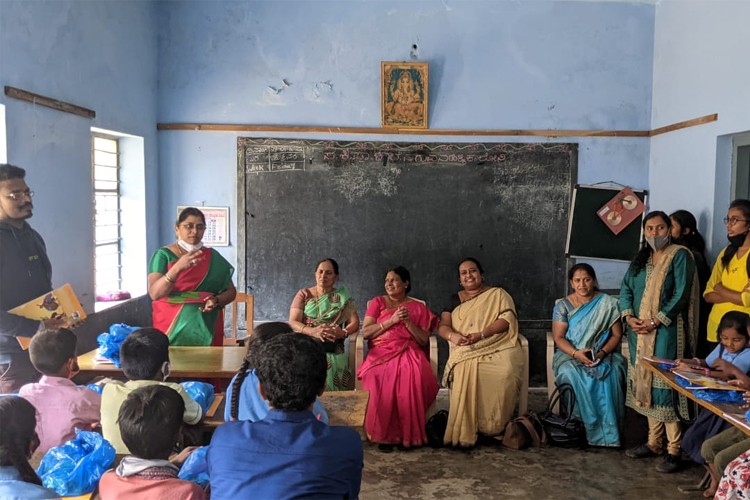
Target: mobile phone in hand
pixel 590 354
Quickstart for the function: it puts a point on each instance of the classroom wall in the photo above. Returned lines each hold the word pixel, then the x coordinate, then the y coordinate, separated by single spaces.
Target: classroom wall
pixel 100 55
pixel 494 64
pixel 700 67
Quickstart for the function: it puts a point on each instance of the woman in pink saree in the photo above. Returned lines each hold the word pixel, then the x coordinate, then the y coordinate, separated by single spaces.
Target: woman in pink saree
pixel 397 370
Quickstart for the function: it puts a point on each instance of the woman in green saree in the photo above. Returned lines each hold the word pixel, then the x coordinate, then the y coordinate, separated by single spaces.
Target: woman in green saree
pixel 189 285
pixel 330 315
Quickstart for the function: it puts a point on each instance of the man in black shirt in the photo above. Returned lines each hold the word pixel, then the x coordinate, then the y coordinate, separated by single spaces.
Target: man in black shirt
pixel 25 273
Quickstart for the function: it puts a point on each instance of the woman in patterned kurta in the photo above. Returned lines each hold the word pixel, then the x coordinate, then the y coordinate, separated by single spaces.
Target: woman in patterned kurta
pixel 658 300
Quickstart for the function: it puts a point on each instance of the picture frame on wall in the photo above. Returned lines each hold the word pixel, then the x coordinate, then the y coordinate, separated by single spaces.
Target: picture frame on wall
pixel 404 94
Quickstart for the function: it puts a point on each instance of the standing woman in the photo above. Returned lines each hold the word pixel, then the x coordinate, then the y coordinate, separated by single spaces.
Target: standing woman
pixel 728 288
pixel 397 370
pixel 189 285
pixel 586 327
pixel 658 300
pixel 329 315
pixel 685 232
pixel 484 369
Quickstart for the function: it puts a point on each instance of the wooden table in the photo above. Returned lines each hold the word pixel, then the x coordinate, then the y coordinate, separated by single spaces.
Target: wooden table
pixel 187 362
pixel 345 408
pixel 731 412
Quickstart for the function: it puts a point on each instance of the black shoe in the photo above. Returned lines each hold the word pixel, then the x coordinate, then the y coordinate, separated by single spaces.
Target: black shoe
pixel 641 451
pixel 386 448
pixel 671 463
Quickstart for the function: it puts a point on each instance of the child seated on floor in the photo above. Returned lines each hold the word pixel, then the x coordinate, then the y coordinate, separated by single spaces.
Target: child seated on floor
pixel 144 355
pixel 724 447
pixel 244 402
pixel 288 454
pixel 727 360
pixel 150 422
pixel 62 406
pixel 18 440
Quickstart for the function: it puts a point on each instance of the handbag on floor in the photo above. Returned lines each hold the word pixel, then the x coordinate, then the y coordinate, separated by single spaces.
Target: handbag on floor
pixel 564 430
pixel 524 431
pixel 435 428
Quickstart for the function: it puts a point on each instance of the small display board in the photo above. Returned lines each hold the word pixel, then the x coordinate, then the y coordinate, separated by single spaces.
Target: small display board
pixel 590 237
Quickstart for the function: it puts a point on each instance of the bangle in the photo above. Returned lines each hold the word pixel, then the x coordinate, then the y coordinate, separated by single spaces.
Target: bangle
pixel 481 335
pixel 574 353
pixel 603 351
pixel 303 330
pixel 168 278
pixel 653 324
pixel 381 326
pixel 450 337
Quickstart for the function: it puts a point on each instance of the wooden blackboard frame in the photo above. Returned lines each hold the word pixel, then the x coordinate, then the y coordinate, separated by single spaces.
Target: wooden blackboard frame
pixel 589 237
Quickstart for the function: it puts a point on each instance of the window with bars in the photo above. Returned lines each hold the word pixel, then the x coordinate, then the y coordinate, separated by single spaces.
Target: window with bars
pixel 107 226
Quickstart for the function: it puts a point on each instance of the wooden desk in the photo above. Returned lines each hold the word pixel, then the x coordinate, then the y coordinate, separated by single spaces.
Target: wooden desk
pixel 732 413
pixel 187 362
pixel 345 408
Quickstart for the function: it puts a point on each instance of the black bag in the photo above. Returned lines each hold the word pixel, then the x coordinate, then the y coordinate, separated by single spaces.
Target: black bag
pixel 524 431
pixel 563 430
pixel 435 428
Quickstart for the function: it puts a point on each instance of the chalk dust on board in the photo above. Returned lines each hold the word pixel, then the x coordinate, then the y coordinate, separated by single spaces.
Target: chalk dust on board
pixel 360 180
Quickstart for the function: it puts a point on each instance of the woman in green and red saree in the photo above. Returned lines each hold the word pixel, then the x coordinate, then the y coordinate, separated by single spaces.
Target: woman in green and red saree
pixel 330 315
pixel 189 285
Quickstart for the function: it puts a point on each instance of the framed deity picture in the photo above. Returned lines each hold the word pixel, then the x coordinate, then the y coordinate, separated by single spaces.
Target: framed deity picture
pixel 404 94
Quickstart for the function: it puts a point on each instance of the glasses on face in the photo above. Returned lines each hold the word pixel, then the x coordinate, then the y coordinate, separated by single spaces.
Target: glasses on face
pixel 20 195
pixel 731 221
pixel 197 227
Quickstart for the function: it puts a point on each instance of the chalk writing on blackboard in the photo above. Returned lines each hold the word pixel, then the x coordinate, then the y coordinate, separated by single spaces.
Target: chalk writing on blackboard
pixel 274 158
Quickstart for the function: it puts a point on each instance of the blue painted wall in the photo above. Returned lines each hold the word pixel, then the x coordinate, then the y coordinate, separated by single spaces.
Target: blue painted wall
pixel 493 65
pixel 696 76
pixel 98 54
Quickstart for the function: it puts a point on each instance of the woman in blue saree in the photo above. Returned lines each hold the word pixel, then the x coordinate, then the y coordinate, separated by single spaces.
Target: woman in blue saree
pixel 587 331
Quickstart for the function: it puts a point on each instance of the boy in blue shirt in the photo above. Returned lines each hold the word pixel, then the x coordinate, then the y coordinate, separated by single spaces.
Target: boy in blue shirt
pixel 289 453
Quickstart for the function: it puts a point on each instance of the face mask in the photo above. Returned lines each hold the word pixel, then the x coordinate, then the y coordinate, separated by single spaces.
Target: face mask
pixel 166 369
pixel 657 242
pixel 737 240
pixel 188 247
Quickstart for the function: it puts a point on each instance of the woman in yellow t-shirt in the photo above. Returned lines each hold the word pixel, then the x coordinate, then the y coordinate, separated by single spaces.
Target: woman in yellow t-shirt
pixel 728 288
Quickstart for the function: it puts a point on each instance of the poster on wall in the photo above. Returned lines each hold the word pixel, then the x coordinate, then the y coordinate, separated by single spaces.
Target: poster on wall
pixel 217 225
pixel 621 210
pixel 403 92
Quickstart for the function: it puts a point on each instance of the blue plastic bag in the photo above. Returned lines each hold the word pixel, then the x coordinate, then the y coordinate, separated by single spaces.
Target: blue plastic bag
pixel 109 343
pixel 75 467
pixel 97 388
pixel 712 395
pixel 195 468
pixel 200 392
pixel 747 415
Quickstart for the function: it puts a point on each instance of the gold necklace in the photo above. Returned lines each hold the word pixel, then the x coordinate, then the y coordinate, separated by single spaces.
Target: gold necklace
pixel 472 306
pixel 392 304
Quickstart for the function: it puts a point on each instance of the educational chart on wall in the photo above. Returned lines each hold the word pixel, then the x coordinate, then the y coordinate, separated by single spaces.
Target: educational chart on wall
pixel 375 205
pixel 590 233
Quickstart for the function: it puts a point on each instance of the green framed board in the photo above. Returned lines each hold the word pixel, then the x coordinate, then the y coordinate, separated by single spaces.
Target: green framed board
pixel 589 236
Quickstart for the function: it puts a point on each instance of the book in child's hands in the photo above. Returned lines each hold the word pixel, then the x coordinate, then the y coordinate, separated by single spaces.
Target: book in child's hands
pixel 61 303
pixel 661 361
pixel 699 381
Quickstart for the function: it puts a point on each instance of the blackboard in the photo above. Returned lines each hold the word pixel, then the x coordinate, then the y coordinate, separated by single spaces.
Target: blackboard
pixel 375 205
pixel 590 237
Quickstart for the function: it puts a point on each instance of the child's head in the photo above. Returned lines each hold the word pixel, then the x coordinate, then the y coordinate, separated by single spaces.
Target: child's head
pixel 53 352
pixel 144 355
pixel 150 421
pixel 291 369
pixel 732 331
pixel 261 333
pixel 18 438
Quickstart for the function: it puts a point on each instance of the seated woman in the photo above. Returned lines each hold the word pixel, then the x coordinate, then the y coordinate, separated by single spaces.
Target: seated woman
pixel 730 359
pixel 190 285
pixel 484 369
pixel 328 314
pixel 587 331
pixel 18 440
pixel 397 370
pixel 244 399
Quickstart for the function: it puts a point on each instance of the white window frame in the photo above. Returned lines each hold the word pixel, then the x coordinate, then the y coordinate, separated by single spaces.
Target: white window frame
pixel 117 276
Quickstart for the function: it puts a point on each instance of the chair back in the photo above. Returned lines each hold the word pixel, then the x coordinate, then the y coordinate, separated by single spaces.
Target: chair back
pixel 249 301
